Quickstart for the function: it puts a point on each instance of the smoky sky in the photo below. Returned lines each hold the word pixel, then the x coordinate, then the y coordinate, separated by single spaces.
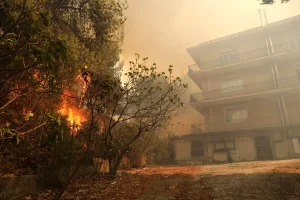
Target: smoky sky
pixel 163 29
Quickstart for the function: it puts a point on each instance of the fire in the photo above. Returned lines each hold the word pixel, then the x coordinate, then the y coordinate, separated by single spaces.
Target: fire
pixel 37 76
pixel 69 109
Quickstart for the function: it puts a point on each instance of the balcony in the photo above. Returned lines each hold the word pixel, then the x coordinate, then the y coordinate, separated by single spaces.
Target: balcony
pixel 193 68
pixel 268 121
pixel 197 128
pixel 259 87
pixel 215 126
pixel 245 57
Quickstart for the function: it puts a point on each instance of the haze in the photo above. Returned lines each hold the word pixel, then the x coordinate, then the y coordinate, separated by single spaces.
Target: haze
pixel 163 29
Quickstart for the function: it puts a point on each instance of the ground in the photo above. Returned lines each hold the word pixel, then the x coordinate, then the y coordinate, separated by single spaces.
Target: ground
pixel 246 180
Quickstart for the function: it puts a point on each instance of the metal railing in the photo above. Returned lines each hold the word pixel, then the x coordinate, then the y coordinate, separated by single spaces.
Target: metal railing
pixel 245 56
pixel 213 126
pixel 245 89
pixel 240 57
pixel 261 121
pixel 197 128
pixel 193 68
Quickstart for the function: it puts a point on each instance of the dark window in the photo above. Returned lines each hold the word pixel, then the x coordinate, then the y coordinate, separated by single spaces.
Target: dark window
pixel 197 148
pixel 263 148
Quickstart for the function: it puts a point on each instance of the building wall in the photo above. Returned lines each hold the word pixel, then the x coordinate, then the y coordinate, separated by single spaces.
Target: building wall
pixel 250 75
pixel 282 146
pixel 253 75
pixel 279 34
pixel 261 113
pixel 210 53
pixel 287 68
pixel 264 110
pixel 240 147
pixel 247 42
pixel 292 102
pixel 284 149
pixel 182 150
pixel 218 143
pixel 245 148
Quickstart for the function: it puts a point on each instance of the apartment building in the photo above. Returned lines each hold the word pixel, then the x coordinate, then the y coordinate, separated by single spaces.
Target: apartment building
pixel 250 99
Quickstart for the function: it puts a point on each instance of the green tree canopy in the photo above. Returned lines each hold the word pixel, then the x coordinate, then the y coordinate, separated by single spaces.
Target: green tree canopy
pixel 44 45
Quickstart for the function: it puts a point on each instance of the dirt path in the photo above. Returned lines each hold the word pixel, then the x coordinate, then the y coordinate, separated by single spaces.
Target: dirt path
pixel 251 180
pixel 254 180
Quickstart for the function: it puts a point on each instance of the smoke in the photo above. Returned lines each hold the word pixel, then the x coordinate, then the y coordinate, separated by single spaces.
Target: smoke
pixel 163 30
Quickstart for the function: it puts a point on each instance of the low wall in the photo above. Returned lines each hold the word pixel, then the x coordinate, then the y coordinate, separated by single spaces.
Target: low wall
pixel 13 187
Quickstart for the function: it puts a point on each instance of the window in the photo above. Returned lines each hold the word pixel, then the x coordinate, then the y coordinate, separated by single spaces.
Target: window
pixel 228 57
pixel 235 115
pixel 232 84
pixel 197 148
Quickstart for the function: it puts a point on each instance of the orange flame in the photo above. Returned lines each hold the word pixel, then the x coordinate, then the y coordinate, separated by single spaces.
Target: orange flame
pixel 74 114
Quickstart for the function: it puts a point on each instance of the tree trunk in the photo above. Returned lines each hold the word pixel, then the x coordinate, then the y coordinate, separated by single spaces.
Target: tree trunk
pixel 113 170
pixel 110 164
pixel 115 166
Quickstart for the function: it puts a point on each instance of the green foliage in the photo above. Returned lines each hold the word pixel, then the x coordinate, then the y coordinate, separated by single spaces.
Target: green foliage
pixel 44 45
pixel 60 162
pixel 25 152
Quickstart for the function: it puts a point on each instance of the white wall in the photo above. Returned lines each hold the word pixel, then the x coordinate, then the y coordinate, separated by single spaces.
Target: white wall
pixel 182 150
pixel 244 150
pixel 282 149
pixel 245 147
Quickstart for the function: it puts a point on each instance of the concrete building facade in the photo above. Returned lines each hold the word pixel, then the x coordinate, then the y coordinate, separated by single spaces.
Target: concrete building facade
pixel 250 99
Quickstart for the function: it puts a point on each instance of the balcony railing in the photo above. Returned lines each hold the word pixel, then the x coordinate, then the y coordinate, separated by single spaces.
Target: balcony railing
pixel 245 89
pixel 196 128
pixel 245 56
pixel 258 122
pixel 193 68
pixel 214 126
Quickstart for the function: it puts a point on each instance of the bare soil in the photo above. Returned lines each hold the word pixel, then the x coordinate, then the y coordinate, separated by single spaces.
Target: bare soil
pixel 247 180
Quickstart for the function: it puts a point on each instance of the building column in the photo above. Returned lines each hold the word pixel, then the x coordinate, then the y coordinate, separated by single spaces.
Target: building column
pixel 281 101
pixel 276 77
pixel 208 87
pixel 210 118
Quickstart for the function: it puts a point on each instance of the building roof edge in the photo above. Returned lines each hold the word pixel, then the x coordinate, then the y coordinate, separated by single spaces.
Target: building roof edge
pixel 277 23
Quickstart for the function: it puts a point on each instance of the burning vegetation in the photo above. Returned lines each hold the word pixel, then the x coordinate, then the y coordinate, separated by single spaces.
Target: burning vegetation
pixel 74 114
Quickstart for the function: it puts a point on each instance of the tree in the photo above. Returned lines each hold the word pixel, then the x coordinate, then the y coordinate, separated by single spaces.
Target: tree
pixel 43 46
pixel 30 62
pixel 272 1
pixel 151 147
pixel 145 102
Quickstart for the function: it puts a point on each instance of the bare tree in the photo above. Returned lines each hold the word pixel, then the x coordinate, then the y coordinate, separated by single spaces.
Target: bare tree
pixel 145 102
